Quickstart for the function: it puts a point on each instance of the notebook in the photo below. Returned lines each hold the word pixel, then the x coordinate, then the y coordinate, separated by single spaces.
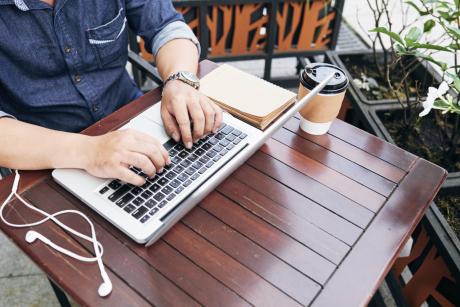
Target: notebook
pixel 245 96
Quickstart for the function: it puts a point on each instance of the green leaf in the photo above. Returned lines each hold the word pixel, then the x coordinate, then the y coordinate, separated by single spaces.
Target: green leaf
pixel 457 83
pixel 428 25
pixel 430 47
pixel 394 36
pixel 431 60
pixel 413 36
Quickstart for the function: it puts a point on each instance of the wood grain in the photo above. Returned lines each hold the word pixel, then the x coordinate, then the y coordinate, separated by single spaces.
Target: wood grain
pixel 312 189
pixel 385 237
pixel 336 162
pixel 350 152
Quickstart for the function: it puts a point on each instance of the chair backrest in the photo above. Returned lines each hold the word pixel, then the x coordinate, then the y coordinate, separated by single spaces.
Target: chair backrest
pixel 263 29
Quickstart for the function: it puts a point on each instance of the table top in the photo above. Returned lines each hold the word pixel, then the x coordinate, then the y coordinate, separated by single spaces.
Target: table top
pixel 307 220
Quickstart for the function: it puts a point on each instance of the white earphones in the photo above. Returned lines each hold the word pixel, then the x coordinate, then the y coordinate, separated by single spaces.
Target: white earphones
pixel 31 236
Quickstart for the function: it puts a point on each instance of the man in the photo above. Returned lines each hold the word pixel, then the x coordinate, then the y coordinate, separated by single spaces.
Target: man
pixel 62 67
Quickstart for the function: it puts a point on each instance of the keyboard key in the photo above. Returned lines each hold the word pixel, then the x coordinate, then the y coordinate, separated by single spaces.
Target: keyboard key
pixel 185 163
pixel 175 160
pixel 150 203
pixel 115 184
pixel 216 158
pixel 146 185
pixel 163 181
pixel 159 196
pixel 179 147
pixel 213 141
pixel 155 188
pixel 211 153
pixel 145 218
pixel 152 179
pixel 204 159
pixel 217 148
pixel 162 204
pixel 224 143
pixel 179 189
pixel 120 192
pixel 183 154
pixel 230 146
pixel 190 171
pixel 243 135
pixel 170 175
pixel 139 212
pixel 178 169
pixel 167 190
pixel 187 183
pixel 223 152
pixel 206 146
pixel 147 194
pixel 236 141
pixel 171 196
pixel 209 164
pixel 136 191
pixel 136 169
pixel 219 136
pixel 173 152
pixel 175 183
pixel 236 132
pixel 230 137
pixel 169 144
pixel 129 208
pixel 194 177
pixel 153 211
pixel 197 165
pixel 201 171
pixel 226 130
pixel 192 157
pixel 182 177
pixel 200 151
pixel 138 201
pixel 222 126
pixel 124 200
pixel 103 190
pixel 144 175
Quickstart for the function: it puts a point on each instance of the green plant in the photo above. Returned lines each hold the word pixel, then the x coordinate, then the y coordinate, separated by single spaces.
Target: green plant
pixel 440 32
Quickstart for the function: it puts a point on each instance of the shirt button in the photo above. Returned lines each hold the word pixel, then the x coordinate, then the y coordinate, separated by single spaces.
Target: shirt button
pixel 67 49
pixel 77 78
pixel 96 108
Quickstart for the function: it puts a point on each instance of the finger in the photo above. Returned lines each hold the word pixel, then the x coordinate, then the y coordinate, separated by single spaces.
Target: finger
pixel 171 127
pixel 198 119
pixel 209 115
pixel 143 137
pixel 140 161
pixel 183 120
pixel 148 147
pixel 218 117
pixel 128 176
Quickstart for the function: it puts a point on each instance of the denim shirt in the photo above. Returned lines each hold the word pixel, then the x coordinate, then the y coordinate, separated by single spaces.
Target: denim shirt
pixel 63 67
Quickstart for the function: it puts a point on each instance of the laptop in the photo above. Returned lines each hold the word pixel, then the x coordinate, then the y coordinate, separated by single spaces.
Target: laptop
pixel 146 213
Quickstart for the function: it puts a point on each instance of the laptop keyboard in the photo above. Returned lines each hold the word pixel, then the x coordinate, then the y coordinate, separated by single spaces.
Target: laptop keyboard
pixel 186 166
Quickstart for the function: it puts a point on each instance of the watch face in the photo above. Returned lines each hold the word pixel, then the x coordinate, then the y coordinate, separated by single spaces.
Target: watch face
pixel 189 76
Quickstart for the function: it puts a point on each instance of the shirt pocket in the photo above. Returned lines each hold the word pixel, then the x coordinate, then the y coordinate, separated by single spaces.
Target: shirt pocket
pixel 110 41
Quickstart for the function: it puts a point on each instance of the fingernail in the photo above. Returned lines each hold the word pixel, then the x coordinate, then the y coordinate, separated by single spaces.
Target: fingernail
pixel 168 161
pixel 214 130
pixel 161 170
pixel 188 145
pixel 175 136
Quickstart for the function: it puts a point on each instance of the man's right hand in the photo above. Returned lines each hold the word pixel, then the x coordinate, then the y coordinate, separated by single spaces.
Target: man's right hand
pixel 110 155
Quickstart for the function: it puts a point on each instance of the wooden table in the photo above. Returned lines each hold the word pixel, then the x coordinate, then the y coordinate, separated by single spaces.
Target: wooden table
pixel 307 220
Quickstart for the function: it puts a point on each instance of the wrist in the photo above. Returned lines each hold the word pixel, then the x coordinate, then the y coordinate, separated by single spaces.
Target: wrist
pixel 81 150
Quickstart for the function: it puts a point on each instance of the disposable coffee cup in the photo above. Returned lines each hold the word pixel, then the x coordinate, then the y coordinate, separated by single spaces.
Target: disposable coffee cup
pixel 319 113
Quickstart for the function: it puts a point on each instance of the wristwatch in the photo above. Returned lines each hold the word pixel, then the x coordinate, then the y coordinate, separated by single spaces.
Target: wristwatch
pixel 186 77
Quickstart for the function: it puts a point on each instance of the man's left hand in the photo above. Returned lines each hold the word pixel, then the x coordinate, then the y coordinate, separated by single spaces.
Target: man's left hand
pixel 183 105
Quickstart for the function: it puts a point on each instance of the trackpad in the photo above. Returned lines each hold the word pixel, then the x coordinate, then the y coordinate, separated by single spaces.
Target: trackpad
pixel 149 127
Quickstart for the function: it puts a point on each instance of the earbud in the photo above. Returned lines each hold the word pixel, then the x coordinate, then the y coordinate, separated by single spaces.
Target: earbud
pixel 31 236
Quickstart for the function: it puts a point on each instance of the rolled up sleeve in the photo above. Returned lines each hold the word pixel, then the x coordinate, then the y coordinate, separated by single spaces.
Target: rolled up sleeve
pixel 157 22
pixel 3 114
